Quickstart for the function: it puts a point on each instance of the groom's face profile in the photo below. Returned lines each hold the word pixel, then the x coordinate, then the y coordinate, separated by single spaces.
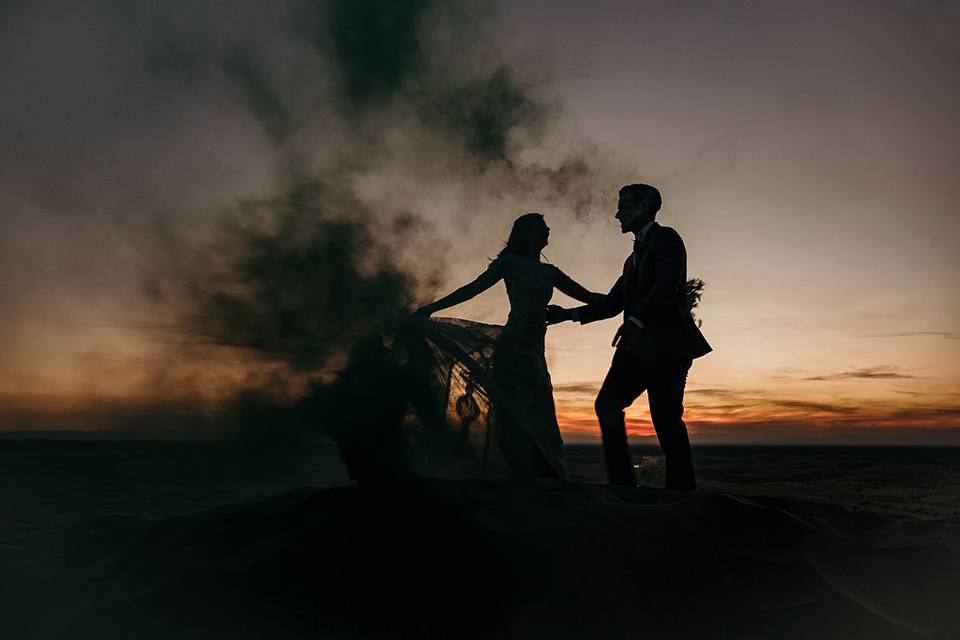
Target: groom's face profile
pixel 632 214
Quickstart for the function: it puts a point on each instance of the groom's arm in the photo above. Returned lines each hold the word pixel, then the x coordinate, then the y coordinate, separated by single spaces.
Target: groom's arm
pixel 608 306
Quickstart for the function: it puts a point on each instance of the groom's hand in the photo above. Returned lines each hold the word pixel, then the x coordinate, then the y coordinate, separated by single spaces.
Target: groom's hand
pixel 626 335
pixel 557 314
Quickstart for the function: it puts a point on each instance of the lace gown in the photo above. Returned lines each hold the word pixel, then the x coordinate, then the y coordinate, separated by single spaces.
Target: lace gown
pixel 443 396
pixel 529 437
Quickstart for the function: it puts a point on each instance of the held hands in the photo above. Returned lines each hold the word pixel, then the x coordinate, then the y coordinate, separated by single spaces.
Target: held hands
pixel 556 314
pixel 626 335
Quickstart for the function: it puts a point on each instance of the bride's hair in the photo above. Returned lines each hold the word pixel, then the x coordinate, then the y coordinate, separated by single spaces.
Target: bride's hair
pixel 521 233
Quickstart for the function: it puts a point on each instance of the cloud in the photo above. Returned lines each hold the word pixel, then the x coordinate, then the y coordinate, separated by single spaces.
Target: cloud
pixel 882 372
pixel 815 407
pixel 578 388
pixel 714 393
pixel 946 335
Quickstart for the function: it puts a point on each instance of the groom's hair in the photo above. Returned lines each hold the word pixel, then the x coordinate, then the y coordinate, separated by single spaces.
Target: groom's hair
pixel 641 192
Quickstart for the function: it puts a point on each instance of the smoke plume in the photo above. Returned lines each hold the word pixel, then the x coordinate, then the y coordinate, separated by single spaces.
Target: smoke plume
pixel 266 184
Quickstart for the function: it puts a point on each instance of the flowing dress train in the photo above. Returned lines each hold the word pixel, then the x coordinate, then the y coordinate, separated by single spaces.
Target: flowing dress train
pixel 507 368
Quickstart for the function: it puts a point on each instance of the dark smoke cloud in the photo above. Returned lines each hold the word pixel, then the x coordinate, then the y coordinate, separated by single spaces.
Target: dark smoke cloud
pixel 483 113
pixel 258 181
pixel 298 62
pixel 304 274
pixel 298 277
pixel 377 46
pixel 302 277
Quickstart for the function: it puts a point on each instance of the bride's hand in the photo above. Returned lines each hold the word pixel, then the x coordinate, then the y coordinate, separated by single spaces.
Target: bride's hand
pixel 415 323
pixel 422 313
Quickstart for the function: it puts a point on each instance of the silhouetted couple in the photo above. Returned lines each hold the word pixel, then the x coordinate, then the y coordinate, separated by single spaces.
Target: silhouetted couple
pixel 655 345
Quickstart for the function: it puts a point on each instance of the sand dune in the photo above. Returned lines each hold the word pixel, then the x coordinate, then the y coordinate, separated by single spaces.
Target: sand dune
pixel 489 559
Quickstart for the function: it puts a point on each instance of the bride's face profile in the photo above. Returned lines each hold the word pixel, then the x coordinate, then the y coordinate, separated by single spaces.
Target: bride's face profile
pixel 529 236
pixel 541 235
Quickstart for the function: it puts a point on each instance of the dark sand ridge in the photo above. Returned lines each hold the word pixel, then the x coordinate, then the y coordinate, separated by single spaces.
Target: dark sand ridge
pixel 489 559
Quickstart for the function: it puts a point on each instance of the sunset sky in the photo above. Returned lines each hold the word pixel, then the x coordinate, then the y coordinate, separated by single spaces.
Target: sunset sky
pixel 807 153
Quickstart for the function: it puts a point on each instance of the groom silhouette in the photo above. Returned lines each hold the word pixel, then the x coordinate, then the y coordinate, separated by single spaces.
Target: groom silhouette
pixel 656 343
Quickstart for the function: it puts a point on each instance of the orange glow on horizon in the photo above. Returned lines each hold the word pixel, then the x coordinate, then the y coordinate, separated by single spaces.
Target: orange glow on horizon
pixel 767 423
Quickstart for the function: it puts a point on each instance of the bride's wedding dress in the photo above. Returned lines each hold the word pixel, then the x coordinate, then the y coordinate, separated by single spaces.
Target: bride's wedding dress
pixel 497 386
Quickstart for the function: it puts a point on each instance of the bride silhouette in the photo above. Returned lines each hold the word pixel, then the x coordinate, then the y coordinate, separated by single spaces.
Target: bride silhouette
pixel 522 398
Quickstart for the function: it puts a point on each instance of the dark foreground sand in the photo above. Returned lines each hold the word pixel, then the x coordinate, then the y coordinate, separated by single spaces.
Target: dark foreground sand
pixel 491 559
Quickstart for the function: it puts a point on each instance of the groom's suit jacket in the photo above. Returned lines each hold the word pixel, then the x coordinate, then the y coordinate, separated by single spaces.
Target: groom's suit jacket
pixel 653 289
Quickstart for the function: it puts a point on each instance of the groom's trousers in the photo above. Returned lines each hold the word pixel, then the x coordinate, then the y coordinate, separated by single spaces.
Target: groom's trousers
pixel 664 382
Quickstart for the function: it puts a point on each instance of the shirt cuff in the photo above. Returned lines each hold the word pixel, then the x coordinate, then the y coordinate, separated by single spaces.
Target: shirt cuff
pixel 635 321
pixel 575 315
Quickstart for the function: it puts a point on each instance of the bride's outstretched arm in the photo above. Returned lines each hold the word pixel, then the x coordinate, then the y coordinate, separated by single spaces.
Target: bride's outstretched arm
pixel 567 285
pixel 483 282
